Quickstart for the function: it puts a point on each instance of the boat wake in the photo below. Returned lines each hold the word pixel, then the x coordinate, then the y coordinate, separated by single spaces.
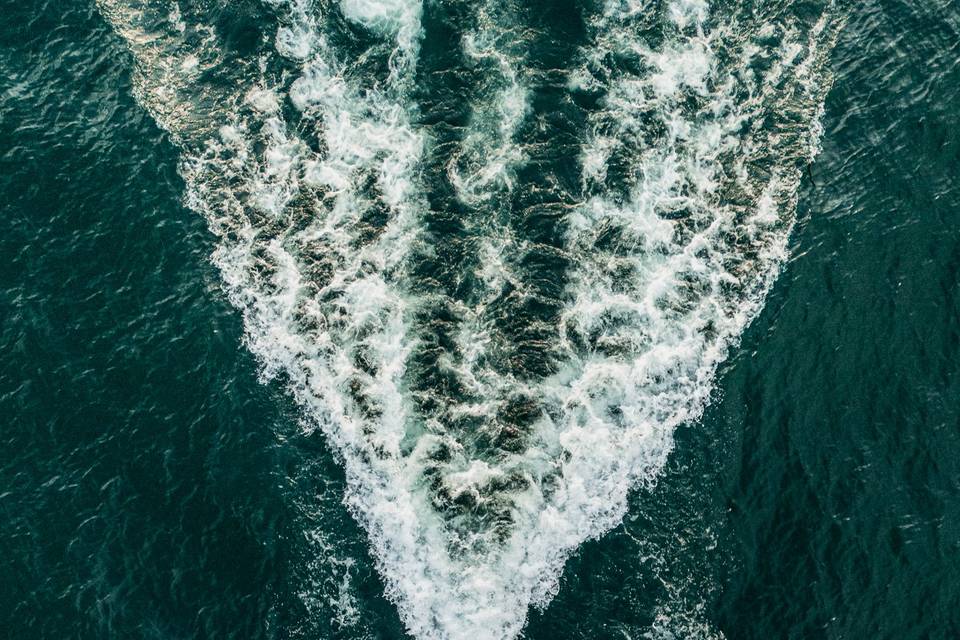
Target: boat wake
pixel 496 257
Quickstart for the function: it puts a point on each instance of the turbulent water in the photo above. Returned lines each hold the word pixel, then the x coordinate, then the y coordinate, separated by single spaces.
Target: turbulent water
pixel 497 260
pixel 553 320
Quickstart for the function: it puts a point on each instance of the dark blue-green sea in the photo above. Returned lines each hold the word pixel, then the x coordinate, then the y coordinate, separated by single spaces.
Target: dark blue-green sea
pixel 480 319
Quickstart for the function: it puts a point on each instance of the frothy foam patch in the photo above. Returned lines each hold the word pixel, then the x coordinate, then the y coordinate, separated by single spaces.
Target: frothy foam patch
pixel 388 16
pixel 494 410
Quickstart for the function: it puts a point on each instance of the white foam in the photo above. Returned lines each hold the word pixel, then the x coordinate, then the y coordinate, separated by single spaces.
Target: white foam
pixel 388 16
pixel 680 298
pixel 327 302
pixel 490 153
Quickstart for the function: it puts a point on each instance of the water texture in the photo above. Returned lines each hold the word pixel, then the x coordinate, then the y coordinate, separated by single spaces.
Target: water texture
pixel 455 346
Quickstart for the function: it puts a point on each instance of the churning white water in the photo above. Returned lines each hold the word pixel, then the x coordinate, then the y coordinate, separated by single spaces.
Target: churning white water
pixel 477 474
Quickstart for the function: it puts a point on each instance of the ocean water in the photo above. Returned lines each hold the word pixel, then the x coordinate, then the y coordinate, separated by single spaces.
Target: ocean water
pixel 476 319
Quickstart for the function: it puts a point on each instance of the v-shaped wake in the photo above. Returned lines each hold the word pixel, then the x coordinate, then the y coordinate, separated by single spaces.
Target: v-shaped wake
pixel 498 257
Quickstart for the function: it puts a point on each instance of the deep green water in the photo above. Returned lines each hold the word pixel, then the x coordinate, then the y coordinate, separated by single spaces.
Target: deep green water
pixel 151 486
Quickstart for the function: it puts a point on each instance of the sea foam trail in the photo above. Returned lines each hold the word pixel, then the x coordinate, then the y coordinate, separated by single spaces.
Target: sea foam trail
pixel 496 351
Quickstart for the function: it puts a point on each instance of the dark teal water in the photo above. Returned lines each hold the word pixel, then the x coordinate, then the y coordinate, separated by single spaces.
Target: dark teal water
pixel 151 486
